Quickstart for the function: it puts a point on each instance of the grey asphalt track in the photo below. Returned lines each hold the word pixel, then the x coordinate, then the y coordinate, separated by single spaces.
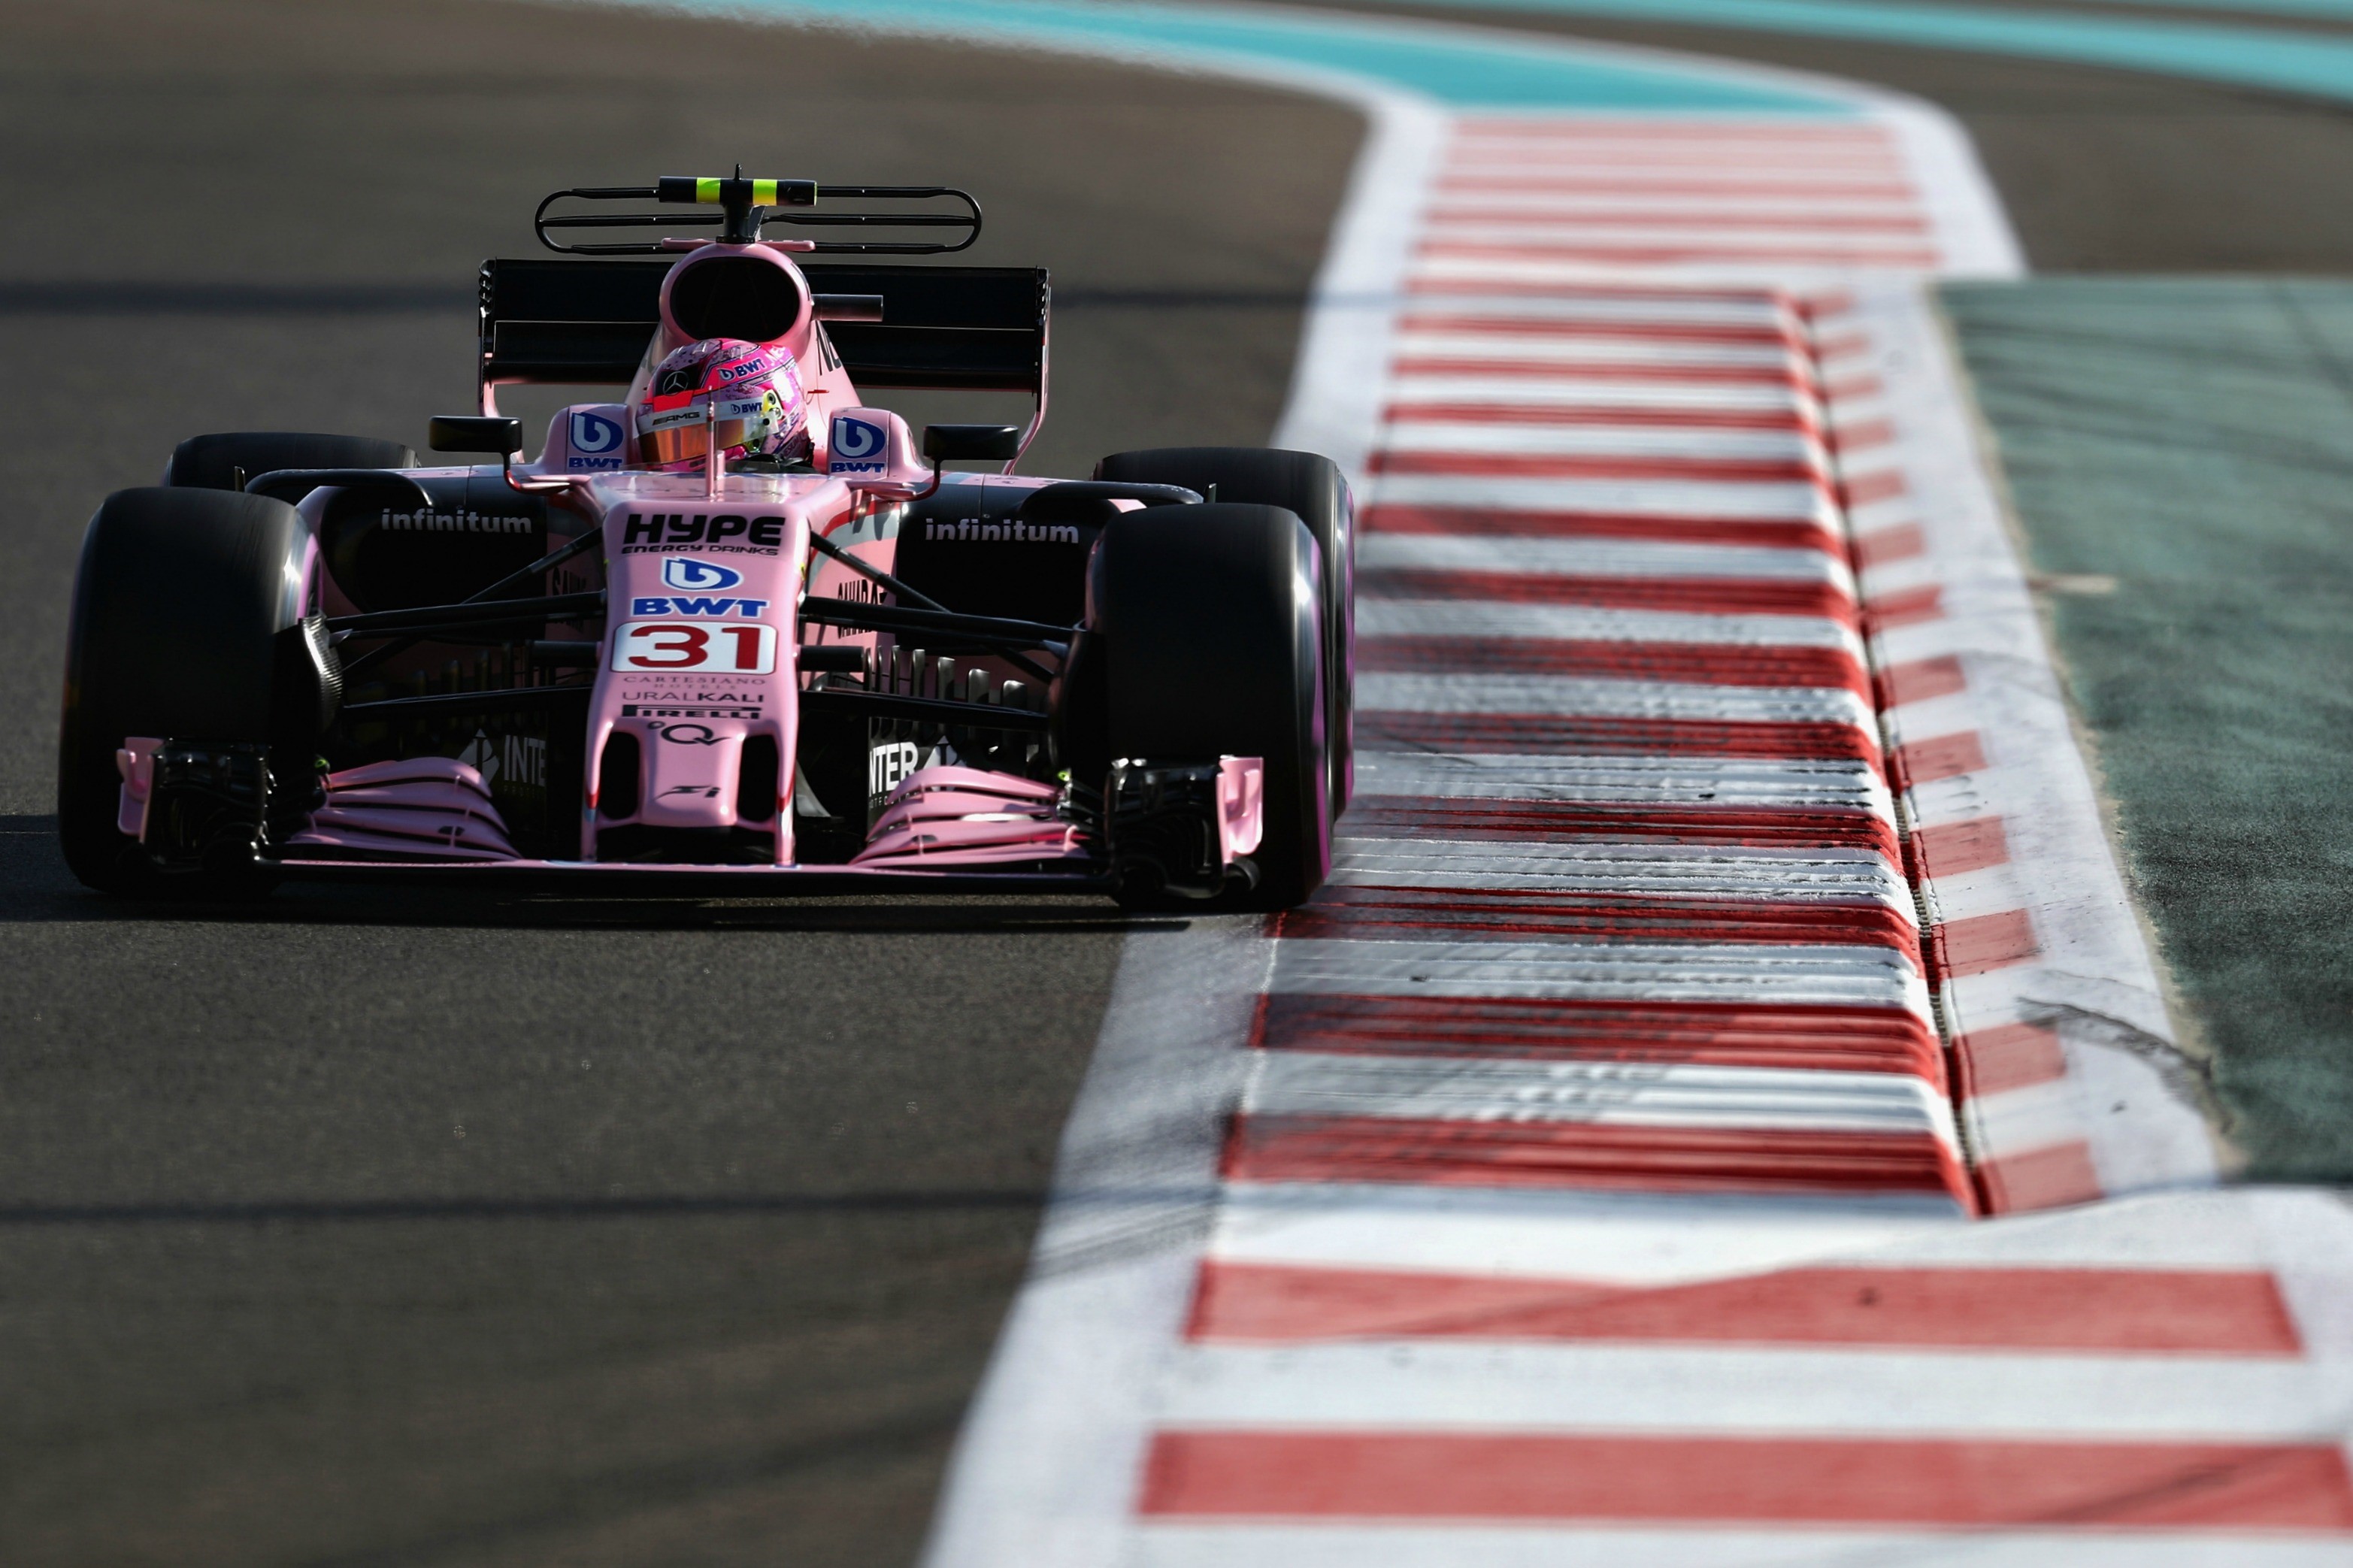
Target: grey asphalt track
pixel 354 1229
pixel 360 1230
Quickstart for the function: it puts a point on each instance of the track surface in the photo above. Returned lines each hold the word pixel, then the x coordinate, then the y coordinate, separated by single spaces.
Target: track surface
pixel 355 1230
pixel 741 1191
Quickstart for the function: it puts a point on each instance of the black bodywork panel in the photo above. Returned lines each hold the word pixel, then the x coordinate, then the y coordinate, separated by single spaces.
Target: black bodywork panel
pixel 952 328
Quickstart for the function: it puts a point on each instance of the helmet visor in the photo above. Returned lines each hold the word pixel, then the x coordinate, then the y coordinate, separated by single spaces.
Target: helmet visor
pixel 684 442
pixel 679 435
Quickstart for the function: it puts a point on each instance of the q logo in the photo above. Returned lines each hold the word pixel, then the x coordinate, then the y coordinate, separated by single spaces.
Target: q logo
pixel 856 446
pixel 685 571
pixel 593 433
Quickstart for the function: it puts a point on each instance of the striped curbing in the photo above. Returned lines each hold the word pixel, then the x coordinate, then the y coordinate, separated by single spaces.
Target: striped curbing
pixel 1176 1542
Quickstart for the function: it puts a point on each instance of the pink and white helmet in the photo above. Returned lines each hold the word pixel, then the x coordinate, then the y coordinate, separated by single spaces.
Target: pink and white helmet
pixel 754 394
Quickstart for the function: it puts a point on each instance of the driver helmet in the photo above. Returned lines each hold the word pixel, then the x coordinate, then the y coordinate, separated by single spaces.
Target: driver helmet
pixel 756 392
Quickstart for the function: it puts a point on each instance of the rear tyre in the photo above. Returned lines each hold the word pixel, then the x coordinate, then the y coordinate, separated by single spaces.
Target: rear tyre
pixel 1205 630
pixel 1314 488
pixel 187 624
pixel 216 462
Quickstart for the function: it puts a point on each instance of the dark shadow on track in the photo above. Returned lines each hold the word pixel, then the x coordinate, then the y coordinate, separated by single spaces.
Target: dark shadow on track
pixel 35 887
pixel 401 1210
pixel 136 298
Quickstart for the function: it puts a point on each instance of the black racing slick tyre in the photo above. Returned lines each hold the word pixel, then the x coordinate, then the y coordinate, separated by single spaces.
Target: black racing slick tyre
pixel 1314 488
pixel 227 461
pixel 188 624
pixel 1207 627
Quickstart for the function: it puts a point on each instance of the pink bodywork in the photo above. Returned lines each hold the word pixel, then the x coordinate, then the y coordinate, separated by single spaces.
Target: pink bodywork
pixel 951 816
pixel 135 760
pixel 426 806
pixel 698 654
pixel 1241 806
pixel 703 573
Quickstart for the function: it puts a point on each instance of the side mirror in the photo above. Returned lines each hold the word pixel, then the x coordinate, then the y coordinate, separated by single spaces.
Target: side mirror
pixel 972 443
pixel 474 433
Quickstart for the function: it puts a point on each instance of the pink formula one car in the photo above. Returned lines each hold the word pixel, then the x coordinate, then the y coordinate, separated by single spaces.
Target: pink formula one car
pixel 730 631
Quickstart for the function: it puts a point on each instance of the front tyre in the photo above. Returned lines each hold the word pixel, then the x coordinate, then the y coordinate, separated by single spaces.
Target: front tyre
pixel 1314 488
pixel 1206 632
pixel 188 625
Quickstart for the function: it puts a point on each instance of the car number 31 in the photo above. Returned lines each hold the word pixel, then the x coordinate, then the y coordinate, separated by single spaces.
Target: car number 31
pixel 728 647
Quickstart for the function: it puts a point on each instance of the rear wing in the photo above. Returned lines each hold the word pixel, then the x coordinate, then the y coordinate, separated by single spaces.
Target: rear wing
pixel 587 323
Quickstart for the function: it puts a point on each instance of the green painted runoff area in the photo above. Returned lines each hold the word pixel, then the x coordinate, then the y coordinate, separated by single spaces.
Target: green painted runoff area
pixel 2192 439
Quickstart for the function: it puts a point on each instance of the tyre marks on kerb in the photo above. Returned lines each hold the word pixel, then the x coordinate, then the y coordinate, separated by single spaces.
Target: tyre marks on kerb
pixel 1579 1178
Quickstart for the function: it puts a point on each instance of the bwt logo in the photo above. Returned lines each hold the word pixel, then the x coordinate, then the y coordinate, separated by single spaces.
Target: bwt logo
pixel 686 572
pixel 694 605
pixel 595 442
pixel 858 447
